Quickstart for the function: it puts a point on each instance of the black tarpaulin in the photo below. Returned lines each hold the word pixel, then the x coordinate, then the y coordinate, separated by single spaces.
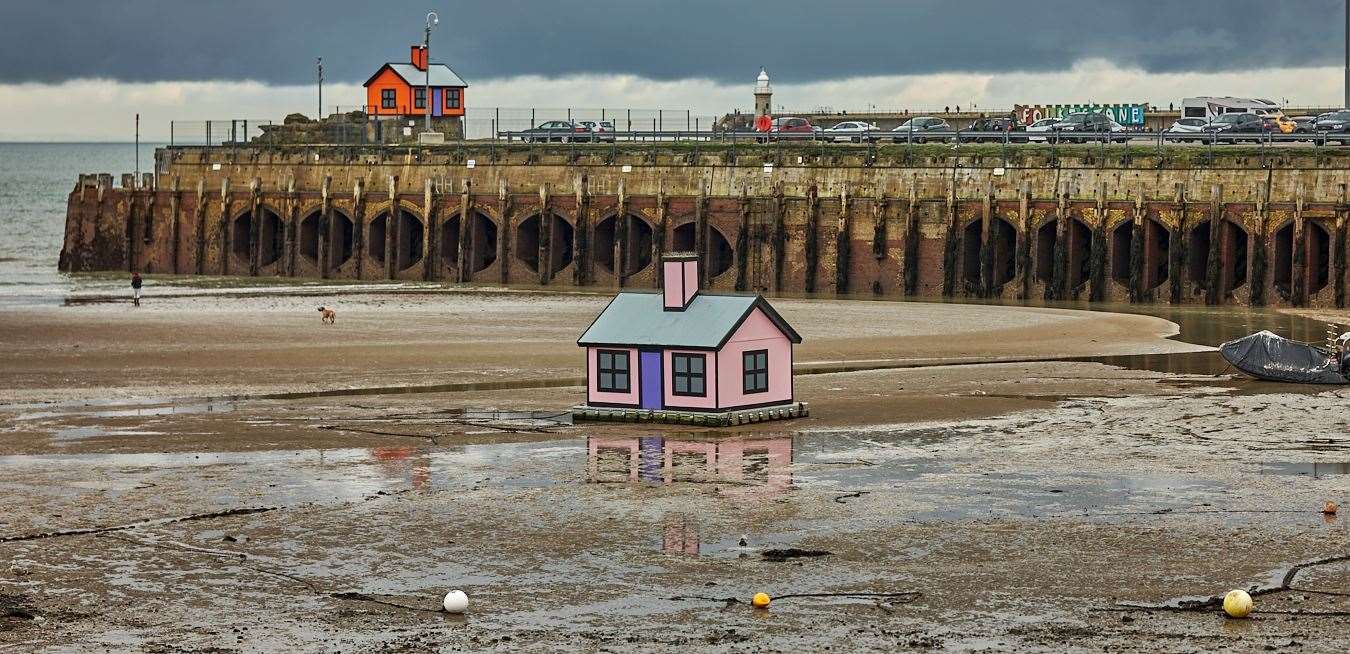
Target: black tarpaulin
pixel 1276 358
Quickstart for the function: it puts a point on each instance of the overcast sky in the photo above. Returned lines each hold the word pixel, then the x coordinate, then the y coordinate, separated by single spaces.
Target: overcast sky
pixel 193 56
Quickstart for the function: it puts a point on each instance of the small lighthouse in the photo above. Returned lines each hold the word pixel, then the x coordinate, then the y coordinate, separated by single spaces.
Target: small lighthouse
pixel 763 94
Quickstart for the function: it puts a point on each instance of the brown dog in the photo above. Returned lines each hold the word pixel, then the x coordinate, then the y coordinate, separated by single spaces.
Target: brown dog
pixel 327 316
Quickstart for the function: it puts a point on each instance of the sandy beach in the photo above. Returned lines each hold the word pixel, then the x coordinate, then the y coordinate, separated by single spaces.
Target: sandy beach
pixel 1003 494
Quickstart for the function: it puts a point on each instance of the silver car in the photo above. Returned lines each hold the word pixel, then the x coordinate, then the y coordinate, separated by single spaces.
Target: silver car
pixel 850 130
pixel 1185 126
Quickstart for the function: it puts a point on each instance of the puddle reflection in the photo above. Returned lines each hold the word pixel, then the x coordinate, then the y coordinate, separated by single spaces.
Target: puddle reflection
pixel 1314 470
pixel 764 464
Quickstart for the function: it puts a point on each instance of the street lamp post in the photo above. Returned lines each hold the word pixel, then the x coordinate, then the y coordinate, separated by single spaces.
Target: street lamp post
pixel 319 64
pixel 432 21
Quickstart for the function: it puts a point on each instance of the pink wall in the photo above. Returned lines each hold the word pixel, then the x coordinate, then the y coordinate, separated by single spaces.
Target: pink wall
pixel 756 333
pixel 593 378
pixel 672 284
pixel 708 401
pixel 679 282
pixel 690 280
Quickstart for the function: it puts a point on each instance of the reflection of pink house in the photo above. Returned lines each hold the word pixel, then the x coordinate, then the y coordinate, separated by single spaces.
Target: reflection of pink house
pixel 755 462
pixel 681 351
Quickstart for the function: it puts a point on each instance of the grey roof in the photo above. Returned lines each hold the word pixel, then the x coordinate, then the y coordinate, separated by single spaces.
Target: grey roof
pixel 441 75
pixel 639 319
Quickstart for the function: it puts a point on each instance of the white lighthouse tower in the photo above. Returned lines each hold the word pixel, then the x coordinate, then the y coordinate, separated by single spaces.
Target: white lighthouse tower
pixel 763 94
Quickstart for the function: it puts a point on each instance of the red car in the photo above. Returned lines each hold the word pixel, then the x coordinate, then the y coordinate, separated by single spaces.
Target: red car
pixel 789 126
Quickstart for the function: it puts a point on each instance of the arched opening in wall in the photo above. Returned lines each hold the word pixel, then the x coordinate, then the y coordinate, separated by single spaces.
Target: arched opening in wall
pixel 379 228
pixel 410 246
pixel 561 244
pixel 1197 254
pixel 450 241
pixel 1078 252
pixel 720 255
pixel 309 236
pixel 484 243
pixel 240 233
pixel 527 242
pixel 341 236
pixel 1157 253
pixel 970 256
pixel 1003 239
pixel 603 243
pixel 1233 256
pixel 683 239
pixel 1282 261
pixel 637 251
pixel 1046 238
pixel 1121 239
pixel 271 237
pixel 1318 257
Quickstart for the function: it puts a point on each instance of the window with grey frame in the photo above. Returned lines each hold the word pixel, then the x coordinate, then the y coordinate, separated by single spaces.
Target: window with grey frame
pixel 452 98
pixel 612 371
pixel 688 375
pixel 388 99
pixel 420 97
pixel 755 371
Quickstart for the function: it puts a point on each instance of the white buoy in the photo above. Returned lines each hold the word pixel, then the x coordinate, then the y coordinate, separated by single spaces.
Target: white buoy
pixel 456 602
pixel 1237 604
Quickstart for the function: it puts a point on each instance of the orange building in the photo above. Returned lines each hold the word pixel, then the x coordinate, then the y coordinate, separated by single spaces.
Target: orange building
pixel 399 89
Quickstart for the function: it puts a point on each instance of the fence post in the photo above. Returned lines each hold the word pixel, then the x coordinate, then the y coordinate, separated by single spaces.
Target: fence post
pixel 630 120
pixel 208 133
pixel 686 120
pixel 171 133
pixel 531 117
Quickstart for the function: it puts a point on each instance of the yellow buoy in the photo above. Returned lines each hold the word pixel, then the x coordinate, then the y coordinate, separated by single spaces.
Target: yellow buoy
pixel 1237 604
pixel 760 601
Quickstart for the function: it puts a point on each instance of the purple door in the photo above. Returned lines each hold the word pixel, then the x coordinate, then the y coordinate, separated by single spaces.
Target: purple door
pixel 437 102
pixel 650 370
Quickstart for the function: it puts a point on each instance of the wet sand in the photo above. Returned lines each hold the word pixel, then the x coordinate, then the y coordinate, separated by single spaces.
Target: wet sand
pixel 229 345
pixel 1018 506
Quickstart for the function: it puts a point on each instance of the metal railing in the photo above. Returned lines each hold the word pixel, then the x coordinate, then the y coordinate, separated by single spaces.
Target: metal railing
pixel 919 137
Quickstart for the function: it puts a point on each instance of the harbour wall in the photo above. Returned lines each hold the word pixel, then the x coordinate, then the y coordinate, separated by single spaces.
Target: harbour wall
pixel 1180 225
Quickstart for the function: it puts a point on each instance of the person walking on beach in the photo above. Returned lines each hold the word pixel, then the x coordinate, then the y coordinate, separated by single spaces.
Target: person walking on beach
pixel 136 289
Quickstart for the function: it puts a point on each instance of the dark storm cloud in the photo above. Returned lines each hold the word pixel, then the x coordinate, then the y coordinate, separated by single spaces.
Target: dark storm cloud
pixel 276 40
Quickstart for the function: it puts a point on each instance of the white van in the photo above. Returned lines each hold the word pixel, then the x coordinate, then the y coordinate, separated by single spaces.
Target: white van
pixel 1209 107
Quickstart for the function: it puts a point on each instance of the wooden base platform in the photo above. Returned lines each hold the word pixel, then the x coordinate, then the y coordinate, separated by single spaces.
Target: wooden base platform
pixel 700 418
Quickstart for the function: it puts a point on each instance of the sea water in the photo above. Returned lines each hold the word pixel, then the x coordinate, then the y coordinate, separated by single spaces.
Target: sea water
pixel 35 181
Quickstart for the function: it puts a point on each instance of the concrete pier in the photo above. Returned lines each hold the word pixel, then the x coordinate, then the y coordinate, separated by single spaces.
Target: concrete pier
pixel 1074 223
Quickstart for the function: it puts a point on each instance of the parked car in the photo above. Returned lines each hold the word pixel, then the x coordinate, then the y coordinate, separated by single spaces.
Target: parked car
pixel 561 131
pixel 1335 122
pixel 1185 126
pixel 1238 123
pixel 1119 133
pixel 850 130
pixel 788 125
pixel 1005 125
pixel 1082 122
pixel 1040 127
pixel 601 131
pixel 1283 124
pixel 920 129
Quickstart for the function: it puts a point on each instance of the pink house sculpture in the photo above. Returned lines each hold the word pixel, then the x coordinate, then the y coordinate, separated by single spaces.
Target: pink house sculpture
pixel 684 355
